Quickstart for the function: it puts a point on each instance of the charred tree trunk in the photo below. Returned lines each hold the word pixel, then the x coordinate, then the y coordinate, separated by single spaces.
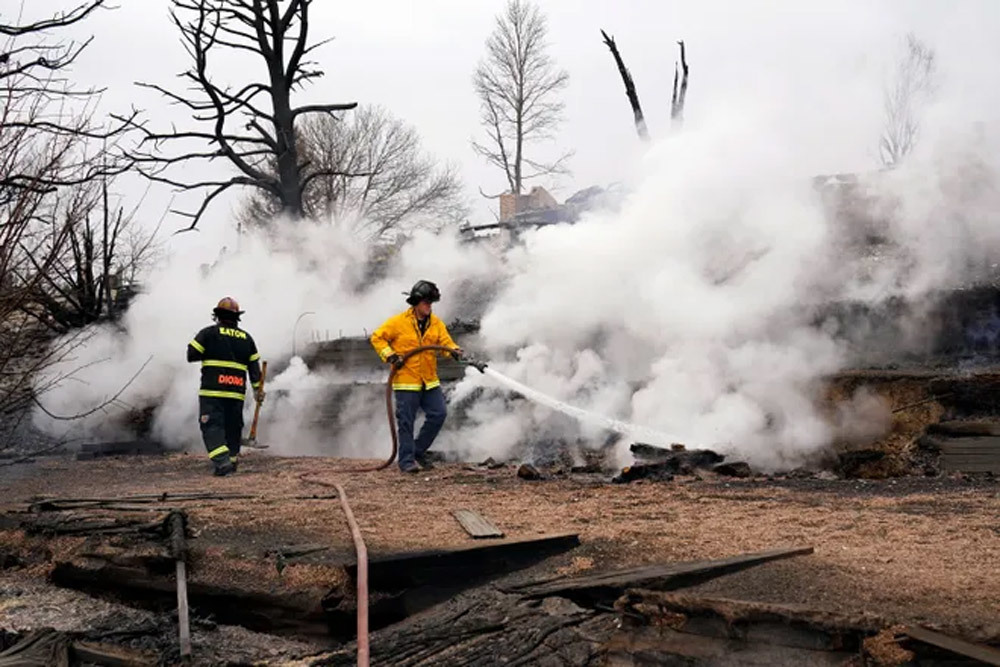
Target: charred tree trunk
pixel 679 96
pixel 257 138
pixel 633 97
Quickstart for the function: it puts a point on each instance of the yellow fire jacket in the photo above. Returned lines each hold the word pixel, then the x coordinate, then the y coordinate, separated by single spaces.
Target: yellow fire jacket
pixel 398 335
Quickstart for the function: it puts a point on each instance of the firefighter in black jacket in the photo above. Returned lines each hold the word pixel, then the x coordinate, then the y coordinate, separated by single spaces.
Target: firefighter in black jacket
pixel 227 354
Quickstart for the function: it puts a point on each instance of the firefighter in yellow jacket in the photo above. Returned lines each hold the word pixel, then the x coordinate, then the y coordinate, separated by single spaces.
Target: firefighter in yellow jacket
pixel 416 384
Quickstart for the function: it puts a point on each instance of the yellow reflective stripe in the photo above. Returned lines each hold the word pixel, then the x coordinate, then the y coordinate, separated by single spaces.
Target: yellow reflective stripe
pixel 211 393
pixel 256 385
pixel 196 345
pixel 224 364
pixel 385 352
pixel 255 356
pixel 433 383
pixel 407 387
pixel 218 450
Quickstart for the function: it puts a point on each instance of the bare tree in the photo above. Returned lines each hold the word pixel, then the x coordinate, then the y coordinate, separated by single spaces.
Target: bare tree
pixel 911 86
pixel 252 125
pixel 50 145
pixel 679 97
pixel 105 250
pixel 517 85
pixel 630 93
pixel 373 172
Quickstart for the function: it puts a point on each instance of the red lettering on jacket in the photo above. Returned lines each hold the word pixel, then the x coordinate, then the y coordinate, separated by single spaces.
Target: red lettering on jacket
pixel 234 380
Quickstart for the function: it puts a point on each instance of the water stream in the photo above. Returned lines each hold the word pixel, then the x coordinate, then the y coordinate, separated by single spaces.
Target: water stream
pixel 633 431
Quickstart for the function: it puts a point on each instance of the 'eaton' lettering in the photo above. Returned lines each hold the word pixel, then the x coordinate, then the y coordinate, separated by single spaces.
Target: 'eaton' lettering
pixel 235 333
pixel 234 380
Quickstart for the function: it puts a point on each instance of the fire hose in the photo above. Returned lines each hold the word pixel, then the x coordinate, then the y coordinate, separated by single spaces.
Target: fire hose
pixel 359 543
pixel 390 413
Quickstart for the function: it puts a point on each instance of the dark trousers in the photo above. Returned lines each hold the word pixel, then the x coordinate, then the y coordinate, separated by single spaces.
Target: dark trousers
pixel 431 401
pixel 221 426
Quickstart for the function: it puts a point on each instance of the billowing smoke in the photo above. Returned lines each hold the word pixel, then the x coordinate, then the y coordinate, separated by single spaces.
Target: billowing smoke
pixel 296 269
pixel 689 310
pixel 692 310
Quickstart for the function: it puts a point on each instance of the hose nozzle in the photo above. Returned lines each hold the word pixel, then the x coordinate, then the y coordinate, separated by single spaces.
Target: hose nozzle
pixel 477 364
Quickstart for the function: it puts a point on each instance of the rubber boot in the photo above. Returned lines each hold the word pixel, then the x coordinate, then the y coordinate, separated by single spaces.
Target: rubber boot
pixel 223 466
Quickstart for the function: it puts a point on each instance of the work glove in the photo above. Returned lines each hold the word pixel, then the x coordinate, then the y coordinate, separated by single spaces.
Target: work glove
pixel 457 354
pixel 259 395
pixel 395 360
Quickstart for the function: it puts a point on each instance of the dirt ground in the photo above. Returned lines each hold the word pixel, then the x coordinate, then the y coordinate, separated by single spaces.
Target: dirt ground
pixel 913 549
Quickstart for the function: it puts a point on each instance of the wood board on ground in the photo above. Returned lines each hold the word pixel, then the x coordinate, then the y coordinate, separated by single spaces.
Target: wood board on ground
pixel 476 525
pixel 606 587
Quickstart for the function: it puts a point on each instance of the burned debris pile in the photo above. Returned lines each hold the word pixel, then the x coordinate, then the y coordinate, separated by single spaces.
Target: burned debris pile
pixel 659 464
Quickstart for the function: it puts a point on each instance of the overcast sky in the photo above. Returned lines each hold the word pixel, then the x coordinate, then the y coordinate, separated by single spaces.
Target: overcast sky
pixel 821 62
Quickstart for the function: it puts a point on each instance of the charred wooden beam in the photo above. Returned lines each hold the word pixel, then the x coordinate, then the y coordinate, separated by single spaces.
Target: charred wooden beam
pixel 106 655
pixel 403 584
pixel 981 652
pixel 42 648
pixel 445 566
pixel 484 626
pixel 965 429
pixel 606 587
pixel 292 614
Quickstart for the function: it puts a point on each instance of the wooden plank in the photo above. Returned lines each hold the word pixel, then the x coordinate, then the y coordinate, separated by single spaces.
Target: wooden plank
pixel 964 429
pixel 444 566
pixel 484 628
pixel 651 606
pixel 178 549
pixel 280 612
pixel 986 443
pixel 92 653
pixel 184 626
pixel 972 457
pixel 971 451
pixel 960 466
pixel 677 628
pixel 476 524
pixel 608 586
pixel 40 648
pixel 982 652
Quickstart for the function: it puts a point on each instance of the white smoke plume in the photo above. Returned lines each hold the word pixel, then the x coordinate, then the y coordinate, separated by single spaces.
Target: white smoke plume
pixel 689 310
pixel 314 268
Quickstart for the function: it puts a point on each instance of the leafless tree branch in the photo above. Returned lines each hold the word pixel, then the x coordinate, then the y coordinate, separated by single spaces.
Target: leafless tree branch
pixel 368 167
pixel 276 34
pixel 52 152
pixel 517 84
pixel 913 83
